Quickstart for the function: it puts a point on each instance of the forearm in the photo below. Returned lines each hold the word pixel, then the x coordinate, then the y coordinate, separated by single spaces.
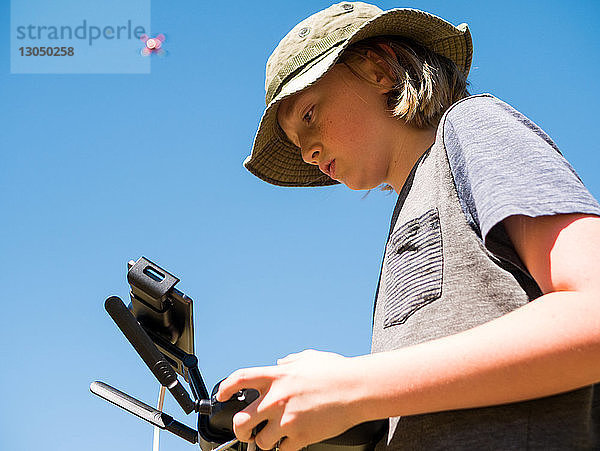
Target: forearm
pixel 548 346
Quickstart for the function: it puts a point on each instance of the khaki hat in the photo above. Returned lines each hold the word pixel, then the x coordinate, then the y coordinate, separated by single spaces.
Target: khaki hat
pixel 311 48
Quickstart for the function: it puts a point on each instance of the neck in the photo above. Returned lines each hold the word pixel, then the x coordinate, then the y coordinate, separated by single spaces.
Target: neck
pixel 410 146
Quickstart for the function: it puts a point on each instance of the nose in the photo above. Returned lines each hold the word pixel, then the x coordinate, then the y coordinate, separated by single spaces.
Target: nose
pixel 310 153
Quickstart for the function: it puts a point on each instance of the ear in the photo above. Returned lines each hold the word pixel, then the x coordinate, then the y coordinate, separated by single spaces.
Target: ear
pixel 378 70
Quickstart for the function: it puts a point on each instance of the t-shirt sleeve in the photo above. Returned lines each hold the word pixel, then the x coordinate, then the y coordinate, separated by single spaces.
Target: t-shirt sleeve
pixel 503 164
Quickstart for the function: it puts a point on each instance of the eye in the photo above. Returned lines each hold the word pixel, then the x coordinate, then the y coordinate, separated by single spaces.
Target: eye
pixel 308 116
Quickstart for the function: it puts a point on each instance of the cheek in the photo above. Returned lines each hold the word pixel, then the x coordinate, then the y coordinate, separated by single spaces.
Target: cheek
pixel 347 131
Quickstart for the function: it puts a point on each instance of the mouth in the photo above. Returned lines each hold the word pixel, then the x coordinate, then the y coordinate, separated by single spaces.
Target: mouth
pixel 332 169
pixel 328 168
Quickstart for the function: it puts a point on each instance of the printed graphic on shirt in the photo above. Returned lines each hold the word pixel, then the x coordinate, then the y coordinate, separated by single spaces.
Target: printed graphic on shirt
pixel 412 274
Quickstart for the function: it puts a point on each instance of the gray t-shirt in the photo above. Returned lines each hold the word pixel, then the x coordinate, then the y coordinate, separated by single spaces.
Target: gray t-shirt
pixel 449 266
pixel 503 164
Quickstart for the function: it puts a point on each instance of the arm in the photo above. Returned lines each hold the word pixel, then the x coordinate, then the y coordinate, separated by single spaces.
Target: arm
pixel 548 346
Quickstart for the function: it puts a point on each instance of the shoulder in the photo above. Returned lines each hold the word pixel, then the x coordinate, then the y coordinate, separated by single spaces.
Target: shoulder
pixel 484 121
pixel 503 164
pixel 484 111
pixel 479 105
pixel 475 102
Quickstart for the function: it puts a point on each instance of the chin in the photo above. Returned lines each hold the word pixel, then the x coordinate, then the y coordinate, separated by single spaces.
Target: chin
pixel 361 181
pixel 360 186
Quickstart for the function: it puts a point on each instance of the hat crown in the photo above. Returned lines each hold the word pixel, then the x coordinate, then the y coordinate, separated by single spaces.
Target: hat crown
pixel 311 38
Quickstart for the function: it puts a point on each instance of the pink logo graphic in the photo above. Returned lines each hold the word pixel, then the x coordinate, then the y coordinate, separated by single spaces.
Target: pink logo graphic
pixel 152 45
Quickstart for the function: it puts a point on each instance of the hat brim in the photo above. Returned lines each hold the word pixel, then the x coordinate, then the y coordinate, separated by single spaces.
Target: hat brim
pixel 276 160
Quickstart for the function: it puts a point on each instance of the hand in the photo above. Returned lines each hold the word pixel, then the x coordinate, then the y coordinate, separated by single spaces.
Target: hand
pixel 308 397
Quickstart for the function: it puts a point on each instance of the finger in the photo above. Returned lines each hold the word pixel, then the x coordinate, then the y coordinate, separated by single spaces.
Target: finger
pixel 269 435
pixel 258 378
pixel 246 420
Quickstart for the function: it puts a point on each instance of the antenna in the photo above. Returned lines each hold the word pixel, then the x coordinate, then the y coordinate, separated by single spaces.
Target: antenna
pixel 148 351
pixel 143 411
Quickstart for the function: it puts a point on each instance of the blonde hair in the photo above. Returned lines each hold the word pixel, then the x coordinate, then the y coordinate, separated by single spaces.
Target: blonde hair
pixel 425 83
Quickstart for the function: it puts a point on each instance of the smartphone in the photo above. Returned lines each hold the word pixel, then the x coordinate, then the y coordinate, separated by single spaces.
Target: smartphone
pixel 164 312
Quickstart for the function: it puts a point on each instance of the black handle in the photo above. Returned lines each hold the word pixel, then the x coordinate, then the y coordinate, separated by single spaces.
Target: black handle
pixel 148 351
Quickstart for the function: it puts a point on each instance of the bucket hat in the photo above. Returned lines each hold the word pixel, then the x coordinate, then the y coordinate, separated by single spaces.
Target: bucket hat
pixel 311 48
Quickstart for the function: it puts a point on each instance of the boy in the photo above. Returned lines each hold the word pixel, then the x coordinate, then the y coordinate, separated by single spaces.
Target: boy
pixel 487 319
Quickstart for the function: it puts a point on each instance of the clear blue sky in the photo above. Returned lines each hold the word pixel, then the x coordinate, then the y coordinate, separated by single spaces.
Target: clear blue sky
pixel 100 169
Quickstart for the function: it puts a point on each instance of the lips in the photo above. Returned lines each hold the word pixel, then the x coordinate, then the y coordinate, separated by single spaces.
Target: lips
pixel 328 168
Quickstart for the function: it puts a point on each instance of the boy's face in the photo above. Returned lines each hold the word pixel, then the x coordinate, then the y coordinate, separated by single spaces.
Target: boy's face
pixel 342 125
